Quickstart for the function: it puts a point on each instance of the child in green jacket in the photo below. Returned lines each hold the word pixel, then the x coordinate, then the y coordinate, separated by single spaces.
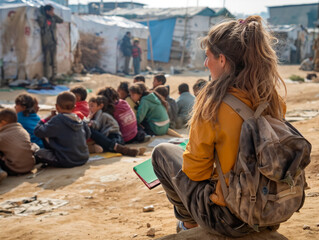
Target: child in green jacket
pixel 152 110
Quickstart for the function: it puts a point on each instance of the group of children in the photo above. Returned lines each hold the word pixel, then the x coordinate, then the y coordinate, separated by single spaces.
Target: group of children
pixel 104 123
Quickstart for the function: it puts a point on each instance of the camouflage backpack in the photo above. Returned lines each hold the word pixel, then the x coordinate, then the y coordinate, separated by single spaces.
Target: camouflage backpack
pixel 266 185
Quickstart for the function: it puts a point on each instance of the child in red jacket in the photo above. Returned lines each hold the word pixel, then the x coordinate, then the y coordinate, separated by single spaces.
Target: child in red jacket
pixel 81 106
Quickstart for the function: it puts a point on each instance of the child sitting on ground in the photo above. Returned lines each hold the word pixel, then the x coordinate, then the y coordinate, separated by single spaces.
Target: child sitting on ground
pixel 139 78
pixel 172 105
pixel 124 115
pixel 105 129
pixel 125 95
pixel 198 86
pixel 152 110
pixel 81 105
pixel 65 134
pixel 16 150
pixel 158 80
pixel 185 104
pixel 26 108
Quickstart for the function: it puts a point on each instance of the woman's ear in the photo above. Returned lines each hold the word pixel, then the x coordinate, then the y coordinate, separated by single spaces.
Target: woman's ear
pixel 222 60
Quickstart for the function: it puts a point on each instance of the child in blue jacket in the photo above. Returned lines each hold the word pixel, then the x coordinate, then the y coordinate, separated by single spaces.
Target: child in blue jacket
pixel 26 108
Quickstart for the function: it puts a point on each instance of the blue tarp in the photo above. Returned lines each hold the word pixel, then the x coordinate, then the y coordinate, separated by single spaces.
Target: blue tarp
pixel 53 92
pixel 162 37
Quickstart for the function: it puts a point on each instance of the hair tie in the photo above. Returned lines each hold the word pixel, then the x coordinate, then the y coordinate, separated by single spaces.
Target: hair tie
pixel 242 21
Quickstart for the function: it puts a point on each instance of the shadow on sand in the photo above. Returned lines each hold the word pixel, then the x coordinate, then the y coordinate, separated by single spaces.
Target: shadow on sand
pixel 52 178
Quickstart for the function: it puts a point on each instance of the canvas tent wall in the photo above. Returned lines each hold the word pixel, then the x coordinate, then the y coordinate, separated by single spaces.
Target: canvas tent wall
pixel 112 30
pixel 20 46
pixel 176 30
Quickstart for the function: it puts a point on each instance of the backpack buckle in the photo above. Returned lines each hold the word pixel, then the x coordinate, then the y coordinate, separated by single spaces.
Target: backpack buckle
pixel 252 198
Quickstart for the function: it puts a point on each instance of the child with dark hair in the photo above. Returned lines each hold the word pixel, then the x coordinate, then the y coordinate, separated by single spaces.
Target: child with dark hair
pixel 106 130
pixel 16 150
pixel 124 115
pixel 185 104
pixel 81 105
pixel 152 110
pixel 66 135
pixel 199 85
pixel 139 78
pixel 172 105
pixel 26 108
pixel 125 95
pixel 158 80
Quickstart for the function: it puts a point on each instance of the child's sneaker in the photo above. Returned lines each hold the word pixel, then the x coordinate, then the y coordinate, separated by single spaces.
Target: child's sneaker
pixel 95 148
pixel 126 150
pixel 98 148
pixel 147 138
pixel 3 175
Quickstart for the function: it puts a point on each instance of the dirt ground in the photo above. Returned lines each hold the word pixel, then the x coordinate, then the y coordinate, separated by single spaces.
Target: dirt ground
pixel 106 198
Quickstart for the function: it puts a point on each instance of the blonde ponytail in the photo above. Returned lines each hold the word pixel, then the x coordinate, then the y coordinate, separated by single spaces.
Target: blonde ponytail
pixel 247 46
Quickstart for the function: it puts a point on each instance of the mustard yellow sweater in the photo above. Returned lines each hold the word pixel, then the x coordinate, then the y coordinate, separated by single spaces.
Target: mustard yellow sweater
pixel 198 162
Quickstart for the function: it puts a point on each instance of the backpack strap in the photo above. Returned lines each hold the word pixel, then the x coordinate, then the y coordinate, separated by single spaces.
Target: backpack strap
pixel 221 177
pixel 245 113
pixel 242 109
pixel 238 106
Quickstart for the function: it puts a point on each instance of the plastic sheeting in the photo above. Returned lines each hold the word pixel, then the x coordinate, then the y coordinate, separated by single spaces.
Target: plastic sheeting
pixel 20 41
pixel 112 30
pixel 162 38
pixel 60 10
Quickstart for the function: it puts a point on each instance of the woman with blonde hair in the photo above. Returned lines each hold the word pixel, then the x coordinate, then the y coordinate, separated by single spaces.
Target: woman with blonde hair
pixel 242 63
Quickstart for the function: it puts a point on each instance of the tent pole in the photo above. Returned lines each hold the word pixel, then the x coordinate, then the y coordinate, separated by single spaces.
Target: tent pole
pixel 151 44
pixel 184 40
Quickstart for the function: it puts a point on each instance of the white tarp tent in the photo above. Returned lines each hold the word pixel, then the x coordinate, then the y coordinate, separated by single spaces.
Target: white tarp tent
pixel 20 39
pixel 112 30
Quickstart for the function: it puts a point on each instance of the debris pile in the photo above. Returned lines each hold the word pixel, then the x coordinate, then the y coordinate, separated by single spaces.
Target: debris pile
pixel 28 206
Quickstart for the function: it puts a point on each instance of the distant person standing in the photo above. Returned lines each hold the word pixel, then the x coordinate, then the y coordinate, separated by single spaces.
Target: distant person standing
pixel 47 21
pixel 126 48
pixel 137 56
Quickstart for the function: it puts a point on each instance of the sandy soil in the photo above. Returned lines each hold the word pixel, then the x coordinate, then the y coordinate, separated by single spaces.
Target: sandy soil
pixel 106 198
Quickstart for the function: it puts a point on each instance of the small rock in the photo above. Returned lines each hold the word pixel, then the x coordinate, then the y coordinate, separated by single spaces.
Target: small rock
pixel 149 208
pixel 317 225
pixel 88 197
pixel 160 192
pixel 151 232
pixel 134 236
pixel 39 212
pixel 306 227
pixel 148 225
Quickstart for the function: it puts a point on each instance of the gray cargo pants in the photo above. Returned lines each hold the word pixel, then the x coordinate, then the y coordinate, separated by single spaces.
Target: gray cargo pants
pixel 50 62
pixel 191 198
